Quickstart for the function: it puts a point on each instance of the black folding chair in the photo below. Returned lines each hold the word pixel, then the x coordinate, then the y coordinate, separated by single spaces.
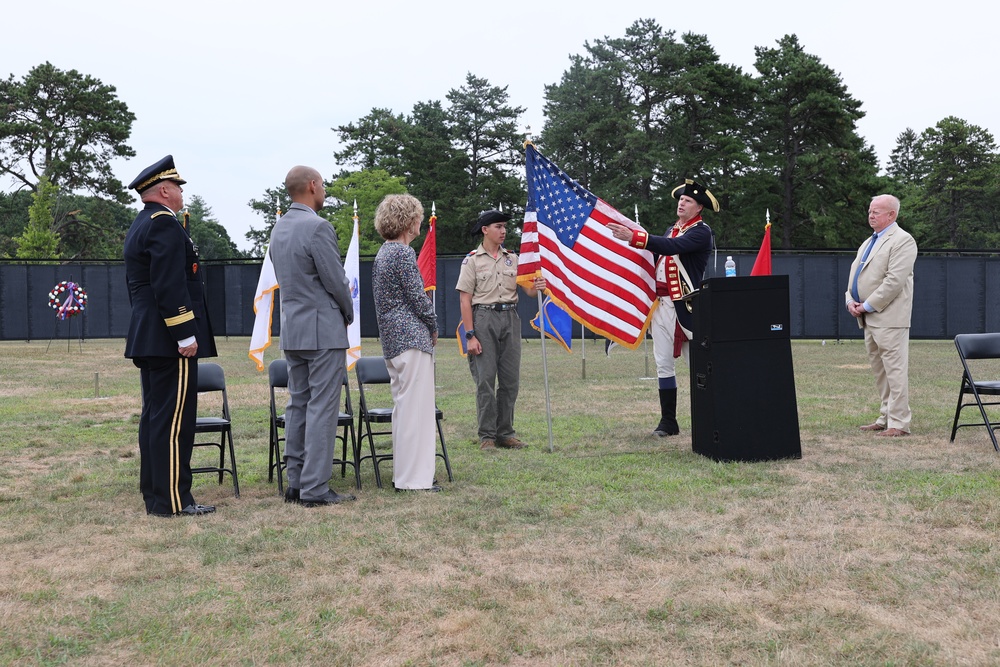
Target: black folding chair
pixel 971 347
pixel 277 373
pixel 277 378
pixel 211 378
pixel 373 371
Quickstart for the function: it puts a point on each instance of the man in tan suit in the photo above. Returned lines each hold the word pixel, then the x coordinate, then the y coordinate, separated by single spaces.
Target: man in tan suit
pixel 880 296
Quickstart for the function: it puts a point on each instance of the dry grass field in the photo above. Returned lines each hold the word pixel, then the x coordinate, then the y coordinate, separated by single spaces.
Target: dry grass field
pixel 617 548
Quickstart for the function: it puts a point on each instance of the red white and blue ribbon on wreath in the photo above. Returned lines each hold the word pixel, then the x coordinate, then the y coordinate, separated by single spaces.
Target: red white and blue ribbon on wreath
pixel 68 299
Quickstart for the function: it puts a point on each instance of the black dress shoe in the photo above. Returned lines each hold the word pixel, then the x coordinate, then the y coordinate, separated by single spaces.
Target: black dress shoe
pixel 292 496
pixel 195 509
pixel 330 498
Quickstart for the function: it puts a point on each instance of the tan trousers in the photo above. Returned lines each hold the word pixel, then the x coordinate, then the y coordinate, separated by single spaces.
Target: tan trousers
pixel 889 356
pixel 414 427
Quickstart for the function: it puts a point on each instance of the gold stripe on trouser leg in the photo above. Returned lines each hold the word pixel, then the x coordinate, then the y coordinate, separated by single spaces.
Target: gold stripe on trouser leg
pixel 175 435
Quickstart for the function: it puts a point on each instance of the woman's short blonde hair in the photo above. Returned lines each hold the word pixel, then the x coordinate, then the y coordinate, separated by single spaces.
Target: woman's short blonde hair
pixel 397 213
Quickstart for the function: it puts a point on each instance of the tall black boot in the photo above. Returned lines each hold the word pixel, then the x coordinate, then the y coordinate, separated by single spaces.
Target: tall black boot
pixel 668 414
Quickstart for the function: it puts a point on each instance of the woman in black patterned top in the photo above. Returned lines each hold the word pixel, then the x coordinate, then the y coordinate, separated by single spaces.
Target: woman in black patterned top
pixel 407 328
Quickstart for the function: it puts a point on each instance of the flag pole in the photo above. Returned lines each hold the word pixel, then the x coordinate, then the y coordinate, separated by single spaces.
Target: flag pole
pixel 545 368
pixel 434 360
pixel 645 339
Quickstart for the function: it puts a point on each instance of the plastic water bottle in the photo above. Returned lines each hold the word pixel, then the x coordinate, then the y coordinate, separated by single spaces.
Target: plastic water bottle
pixel 730 267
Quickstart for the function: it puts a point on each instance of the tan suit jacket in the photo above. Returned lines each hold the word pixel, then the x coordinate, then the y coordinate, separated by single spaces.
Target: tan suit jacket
pixel 886 280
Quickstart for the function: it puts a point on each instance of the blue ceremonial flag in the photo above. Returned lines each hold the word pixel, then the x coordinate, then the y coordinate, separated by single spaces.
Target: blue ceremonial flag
pixel 558 324
pixel 463 345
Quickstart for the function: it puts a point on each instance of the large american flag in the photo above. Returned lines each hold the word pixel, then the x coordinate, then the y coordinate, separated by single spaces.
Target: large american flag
pixel 603 283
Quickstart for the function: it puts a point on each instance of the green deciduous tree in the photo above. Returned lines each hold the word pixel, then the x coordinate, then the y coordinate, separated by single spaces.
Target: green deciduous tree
pixel 39 241
pixel 66 127
pixel 367 188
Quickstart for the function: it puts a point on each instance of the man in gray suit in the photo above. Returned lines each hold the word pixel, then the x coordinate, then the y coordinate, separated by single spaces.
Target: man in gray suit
pixel 316 309
pixel 880 296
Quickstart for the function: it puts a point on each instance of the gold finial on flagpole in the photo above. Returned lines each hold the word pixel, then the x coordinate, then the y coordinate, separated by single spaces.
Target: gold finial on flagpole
pixel 433 208
pixel 767 217
pixel 355 209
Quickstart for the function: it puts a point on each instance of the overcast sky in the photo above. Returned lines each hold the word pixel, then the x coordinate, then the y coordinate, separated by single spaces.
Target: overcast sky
pixel 240 92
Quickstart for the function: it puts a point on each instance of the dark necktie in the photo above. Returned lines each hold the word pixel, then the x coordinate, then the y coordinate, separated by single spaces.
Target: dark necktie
pixel 861 265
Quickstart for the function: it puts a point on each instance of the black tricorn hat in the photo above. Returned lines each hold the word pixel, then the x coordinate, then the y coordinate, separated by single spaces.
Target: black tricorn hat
pixel 163 170
pixel 487 218
pixel 697 192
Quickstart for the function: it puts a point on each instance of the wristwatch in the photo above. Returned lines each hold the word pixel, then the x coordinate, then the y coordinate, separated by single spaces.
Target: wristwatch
pixel 470 334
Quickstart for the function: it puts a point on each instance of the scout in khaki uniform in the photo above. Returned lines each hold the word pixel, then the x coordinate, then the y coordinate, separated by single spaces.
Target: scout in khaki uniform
pixel 487 286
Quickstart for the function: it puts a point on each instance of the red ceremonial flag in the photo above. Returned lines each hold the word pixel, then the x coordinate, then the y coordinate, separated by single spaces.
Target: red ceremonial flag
pixel 605 284
pixel 762 267
pixel 427 260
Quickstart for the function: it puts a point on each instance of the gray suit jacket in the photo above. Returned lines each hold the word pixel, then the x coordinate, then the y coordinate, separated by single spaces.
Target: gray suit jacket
pixel 886 280
pixel 316 304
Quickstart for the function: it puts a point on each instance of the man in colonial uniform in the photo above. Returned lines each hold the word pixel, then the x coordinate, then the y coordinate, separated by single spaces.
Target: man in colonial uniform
pixel 681 255
pixel 168 332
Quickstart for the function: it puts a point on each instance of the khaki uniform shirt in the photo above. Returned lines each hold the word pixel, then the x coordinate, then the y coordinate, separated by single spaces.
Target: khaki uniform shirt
pixel 489 280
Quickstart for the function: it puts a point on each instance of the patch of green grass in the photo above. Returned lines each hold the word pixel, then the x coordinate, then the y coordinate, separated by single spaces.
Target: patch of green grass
pixel 616 547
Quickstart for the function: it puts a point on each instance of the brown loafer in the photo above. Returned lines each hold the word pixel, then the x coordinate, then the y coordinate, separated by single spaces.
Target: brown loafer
pixel 893 433
pixel 511 443
pixel 873 427
pixel 487 444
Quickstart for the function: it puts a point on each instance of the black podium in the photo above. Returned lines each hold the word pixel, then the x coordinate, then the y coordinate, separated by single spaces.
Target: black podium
pixel 742 385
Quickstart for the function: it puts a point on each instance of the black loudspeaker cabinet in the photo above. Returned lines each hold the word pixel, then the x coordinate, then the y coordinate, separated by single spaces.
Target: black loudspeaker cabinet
pixel 743 404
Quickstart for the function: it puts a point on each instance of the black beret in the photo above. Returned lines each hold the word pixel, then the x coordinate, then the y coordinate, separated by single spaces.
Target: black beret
pixel 487 218
pixel 162 170
pixel 697 192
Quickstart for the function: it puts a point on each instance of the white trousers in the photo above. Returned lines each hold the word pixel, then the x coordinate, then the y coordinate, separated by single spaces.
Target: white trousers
pixel 662 328
pixel 414 427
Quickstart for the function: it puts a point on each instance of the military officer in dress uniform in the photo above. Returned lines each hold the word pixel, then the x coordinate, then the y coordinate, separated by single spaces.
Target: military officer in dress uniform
pixel 168 332
pixel 487 286
pixel 681 255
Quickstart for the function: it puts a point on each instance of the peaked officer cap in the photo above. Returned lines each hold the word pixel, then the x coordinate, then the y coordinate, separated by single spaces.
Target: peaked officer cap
pixel 163 170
